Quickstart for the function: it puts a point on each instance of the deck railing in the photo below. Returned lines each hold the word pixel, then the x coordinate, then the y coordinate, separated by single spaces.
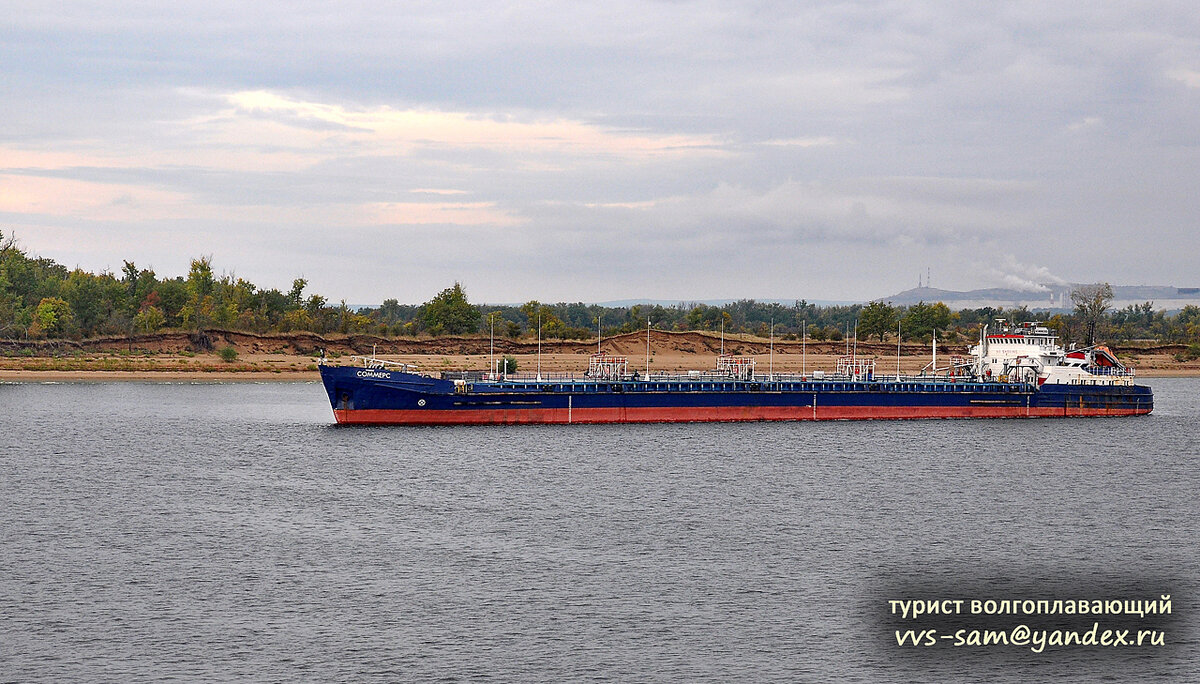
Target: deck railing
pixel 383 364
pixel 1126 372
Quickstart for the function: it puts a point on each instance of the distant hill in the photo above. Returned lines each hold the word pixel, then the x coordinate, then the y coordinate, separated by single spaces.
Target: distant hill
pixel 721 302
pixel 1053 297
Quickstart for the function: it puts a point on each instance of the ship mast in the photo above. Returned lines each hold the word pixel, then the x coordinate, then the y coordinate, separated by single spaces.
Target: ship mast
pixel 855 355
pixel 771 365
pixel 647 347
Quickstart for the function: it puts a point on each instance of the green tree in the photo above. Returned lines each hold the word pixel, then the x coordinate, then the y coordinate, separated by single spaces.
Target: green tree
pixel 139 284
pixel 390 312
pixel 1187 322
pixel 172 297
pixel 450 312
pixel 877 318
pixel 200 305
pixel 86 295
pixel 922 320
pixel 296 294
pixel 130 279
pixel 1091 303
pixel 10 303
pixel 705 317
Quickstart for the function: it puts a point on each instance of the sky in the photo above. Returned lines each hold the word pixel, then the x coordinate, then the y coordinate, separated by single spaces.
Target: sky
pixel 569 151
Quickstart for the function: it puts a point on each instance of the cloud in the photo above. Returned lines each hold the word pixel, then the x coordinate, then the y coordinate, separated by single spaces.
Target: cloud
pixel 267 118
pixel 767 149
pixel 1086 123
pixel 454 213
pixel 437 191
pixel 1188 77
pixel 801 142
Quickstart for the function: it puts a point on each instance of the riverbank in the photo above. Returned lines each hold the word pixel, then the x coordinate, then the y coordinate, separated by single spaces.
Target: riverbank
pixel 10 376
pixel 192 357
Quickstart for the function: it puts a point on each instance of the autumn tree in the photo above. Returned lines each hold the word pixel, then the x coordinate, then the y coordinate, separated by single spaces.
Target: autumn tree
pixel 149 319
pixel 1091 303
pixel 199 309
pixel 540 317
pixel 52 318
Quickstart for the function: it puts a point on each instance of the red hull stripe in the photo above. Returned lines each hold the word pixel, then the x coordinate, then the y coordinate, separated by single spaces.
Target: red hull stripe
pixel 703 414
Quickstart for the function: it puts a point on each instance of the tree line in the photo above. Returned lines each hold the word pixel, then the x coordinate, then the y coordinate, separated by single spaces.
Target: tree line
pixel 40 298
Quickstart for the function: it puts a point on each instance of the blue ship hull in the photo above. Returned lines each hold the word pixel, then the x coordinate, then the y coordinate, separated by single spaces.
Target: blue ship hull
pixel 380 396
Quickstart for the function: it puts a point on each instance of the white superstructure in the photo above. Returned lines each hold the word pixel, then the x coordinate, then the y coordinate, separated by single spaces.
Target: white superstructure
pixel 1030 352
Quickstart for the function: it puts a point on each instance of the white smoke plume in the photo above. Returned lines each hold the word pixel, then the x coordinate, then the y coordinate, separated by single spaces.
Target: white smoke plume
pixel 1015 275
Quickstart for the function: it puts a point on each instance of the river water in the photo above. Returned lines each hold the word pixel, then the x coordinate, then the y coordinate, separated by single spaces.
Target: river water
pixel 231 531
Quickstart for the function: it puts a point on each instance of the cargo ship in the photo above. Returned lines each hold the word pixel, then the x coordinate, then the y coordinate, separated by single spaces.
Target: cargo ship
pixel 1016 371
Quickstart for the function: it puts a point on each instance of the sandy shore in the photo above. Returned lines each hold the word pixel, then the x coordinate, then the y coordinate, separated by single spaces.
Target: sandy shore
pixel 173 357
pixel 209 368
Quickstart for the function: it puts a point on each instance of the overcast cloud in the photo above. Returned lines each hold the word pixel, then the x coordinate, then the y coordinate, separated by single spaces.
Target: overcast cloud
pixel 600 151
